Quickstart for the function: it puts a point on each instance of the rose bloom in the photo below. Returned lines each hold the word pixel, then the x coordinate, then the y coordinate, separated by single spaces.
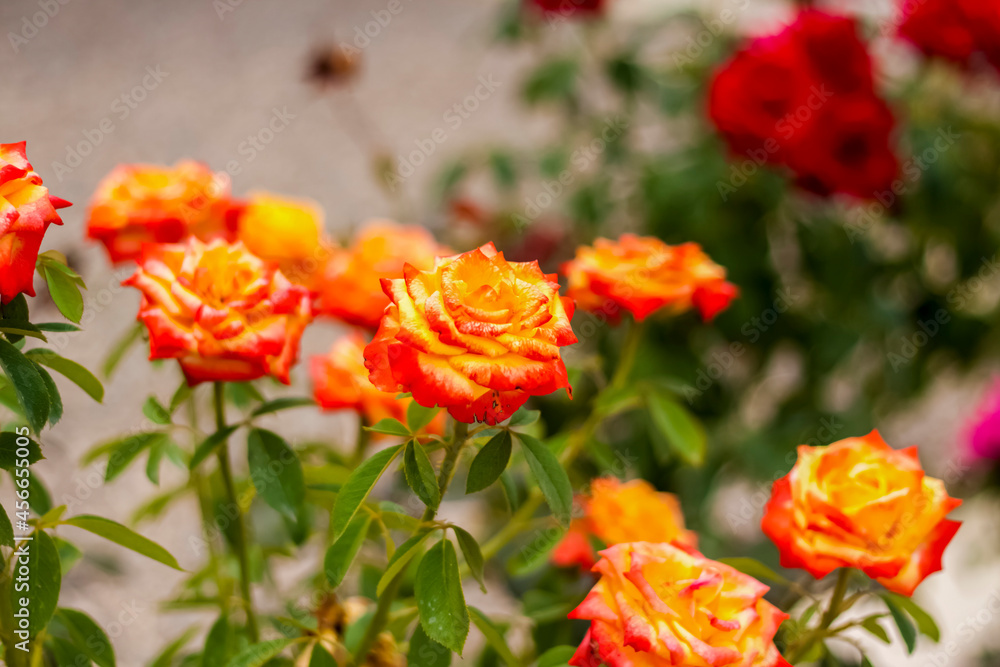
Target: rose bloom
pixel 223 313
pixel 350 287
pixel 617 512
pixel 642 274
pixel 805 99
pixel 660 605
pixel 288 232
pixel 983 430
pixel 859 503
pixel 146 203
pixel 476 334
pixel 955 30
pixel 568 8
pixel 340 381
pixel 26 211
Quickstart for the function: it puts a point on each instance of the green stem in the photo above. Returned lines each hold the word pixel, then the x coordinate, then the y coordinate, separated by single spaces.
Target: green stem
pixel 577 442
pixel 240 530
pixel 802 648
pixel 381 617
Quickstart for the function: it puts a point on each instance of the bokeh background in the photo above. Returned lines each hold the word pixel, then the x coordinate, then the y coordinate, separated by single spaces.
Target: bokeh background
pixel 228 70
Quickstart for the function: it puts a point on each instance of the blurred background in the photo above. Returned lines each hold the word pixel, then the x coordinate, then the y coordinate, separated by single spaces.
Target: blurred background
pixel 248 87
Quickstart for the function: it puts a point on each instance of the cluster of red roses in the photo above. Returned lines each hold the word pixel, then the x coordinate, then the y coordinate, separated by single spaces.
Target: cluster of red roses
pixel 962 31
pixel 805 99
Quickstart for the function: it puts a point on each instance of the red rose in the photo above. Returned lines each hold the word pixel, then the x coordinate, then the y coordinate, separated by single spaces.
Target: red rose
pixel 26 211
pixel 956 30
pixel 568 7
pixel 805 99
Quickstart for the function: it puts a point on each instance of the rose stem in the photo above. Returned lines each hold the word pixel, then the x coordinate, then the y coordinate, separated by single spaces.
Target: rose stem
pixel 240 532
pixel 445 475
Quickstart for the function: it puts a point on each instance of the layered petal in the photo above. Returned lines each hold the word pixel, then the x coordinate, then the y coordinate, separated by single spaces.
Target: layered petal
pixel 26 211
pixel 615 512
pixel 340 381
pixel 474 333
pixel 288 232
pixel 859 503
pixel 142 203
pixel 223 313
pixel 349 284
pixel 659 605
pixel 643 275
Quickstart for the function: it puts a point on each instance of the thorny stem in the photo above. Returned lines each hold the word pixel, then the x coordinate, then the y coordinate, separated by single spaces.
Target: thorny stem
pixel 445 475
pixel 240 531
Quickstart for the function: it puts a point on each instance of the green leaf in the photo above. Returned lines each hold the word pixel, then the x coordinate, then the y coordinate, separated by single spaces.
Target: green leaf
pixel 65 293
pixel 536 554
pixel 20 328
pixel 73 371
pixel 342 553
pixel 678 427
pixel 320 657
pixel 182 394
pixel 119 534
pixel 208 446
pixel 124 451
pixel 9 447
pixel 420 474
pixel 6 529
pixel 550 475
pixel 29 386
pixel 906 629
pixel 357 487
pixel 556 657
pixel 440 600
pixel 276 472
pixel 219 644
pixel 494 637
pixel 417 416
pixel 553 80
pixel 87 636
pixel 403 555
pixel 166 656
pixel 55 399
pixel 925 622
pixel 871 624
pixel 489 463
pixel 389 426
pixel 425 652
pixel 43 580
pixel 755 569
pixel 259 654
pixel 472 554
pixel 120 348
pixel 279 404
pixel 40 499
pixel 156 453
pixel 57 327
pixel 523 418
pixel 504 172
pixel 155 411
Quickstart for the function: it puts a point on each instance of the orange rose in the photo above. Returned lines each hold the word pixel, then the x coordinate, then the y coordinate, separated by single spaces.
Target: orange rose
pixel 859 503
pixel 223 313
pixel 146 203
pixel 340 381
pixel 476 334
pixel 660 605
pixel 350 287
pixel 288 232
pixel 614 513
pixel 26 211
pixel 644 274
